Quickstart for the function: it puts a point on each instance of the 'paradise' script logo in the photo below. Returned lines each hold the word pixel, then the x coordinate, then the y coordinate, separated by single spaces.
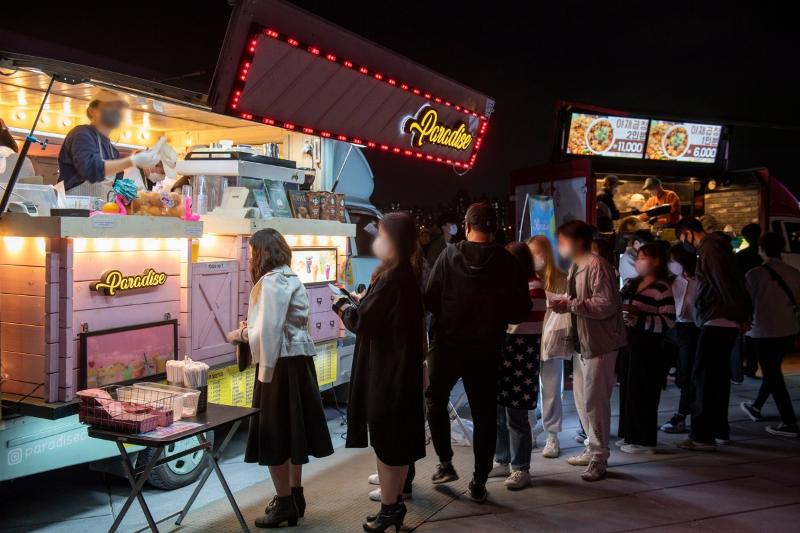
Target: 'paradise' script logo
pixel 112 281
pixel 426 128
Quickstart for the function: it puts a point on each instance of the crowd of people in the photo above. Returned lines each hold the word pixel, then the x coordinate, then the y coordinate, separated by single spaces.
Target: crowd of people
pixel 506 320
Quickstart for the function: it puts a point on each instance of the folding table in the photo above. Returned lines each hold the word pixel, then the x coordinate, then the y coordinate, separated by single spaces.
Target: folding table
pixel 215 417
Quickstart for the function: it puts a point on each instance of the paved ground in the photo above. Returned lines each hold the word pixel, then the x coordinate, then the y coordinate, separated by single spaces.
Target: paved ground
pixel 751 485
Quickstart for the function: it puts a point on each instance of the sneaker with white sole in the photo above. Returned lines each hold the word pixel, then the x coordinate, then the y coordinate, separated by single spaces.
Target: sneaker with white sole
pixel 375 495
pixel 637 449
pixel 752 412
pixel 676 424
pixel 552 449
pixel 595 471
pixel 695 446
pixel 581 460
pixel 500 470
pixel 518 480
pixel 619 443
pixel 784 430
pixel 374 479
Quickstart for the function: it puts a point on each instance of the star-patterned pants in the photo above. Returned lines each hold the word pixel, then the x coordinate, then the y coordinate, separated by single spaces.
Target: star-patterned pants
pixel 518 375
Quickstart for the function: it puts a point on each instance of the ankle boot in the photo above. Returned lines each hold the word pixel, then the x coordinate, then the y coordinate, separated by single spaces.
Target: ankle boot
pixel 299 500
pixel 388 517
pixel 282 509
pixel 400 502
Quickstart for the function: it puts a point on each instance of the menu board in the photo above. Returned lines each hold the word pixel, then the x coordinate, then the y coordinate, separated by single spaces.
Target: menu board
pixel 607 136
pixel 315 265
pixel 683 141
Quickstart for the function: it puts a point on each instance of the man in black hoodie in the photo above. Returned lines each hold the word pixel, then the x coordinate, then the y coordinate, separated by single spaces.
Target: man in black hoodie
pixel 476 288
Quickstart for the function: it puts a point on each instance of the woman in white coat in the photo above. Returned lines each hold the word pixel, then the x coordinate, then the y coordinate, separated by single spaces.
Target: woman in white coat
pixel 291 425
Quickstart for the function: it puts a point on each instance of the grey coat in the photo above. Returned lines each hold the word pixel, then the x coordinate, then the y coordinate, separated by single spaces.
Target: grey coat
pixel 598 307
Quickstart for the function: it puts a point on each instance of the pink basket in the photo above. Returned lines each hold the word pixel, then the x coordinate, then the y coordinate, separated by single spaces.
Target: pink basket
pixel 125 409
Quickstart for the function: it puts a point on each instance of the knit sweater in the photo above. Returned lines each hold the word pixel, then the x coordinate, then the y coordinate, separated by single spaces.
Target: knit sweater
pixel 654 305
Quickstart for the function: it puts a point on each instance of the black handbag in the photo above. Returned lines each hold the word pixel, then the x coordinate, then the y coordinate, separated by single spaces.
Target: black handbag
pixel 244 358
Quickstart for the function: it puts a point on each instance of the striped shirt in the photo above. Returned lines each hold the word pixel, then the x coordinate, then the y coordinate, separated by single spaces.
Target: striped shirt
pixel 533 323
pixel 654 305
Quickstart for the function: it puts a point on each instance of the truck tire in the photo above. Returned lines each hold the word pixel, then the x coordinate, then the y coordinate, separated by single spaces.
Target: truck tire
pixel 180 472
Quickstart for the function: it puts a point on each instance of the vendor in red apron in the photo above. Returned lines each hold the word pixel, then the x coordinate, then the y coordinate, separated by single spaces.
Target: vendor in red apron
pixel 88 163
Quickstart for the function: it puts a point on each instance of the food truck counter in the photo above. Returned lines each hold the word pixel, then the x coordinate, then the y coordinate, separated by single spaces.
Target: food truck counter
pixel 99 226
pixel 122 280
pixel 287 226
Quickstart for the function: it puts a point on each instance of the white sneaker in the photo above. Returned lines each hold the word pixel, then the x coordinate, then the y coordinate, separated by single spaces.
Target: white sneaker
pixel 581 460
pixel 519 479
pixel 373 479
pixel 500 470
pixel 552 449
pixel 619 443
pixel 637 448
pixel 375 495
pixel 595 471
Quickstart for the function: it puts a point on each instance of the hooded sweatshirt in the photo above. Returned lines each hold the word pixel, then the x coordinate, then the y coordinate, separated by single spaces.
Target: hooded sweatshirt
pixel 475 291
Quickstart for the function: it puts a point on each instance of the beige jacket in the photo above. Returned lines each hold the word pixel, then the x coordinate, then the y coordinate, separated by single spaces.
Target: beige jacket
pixel 598 307
pixel 277 320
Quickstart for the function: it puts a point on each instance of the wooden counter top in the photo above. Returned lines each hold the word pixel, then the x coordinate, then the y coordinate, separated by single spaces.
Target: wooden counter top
pixel 220 225
pixel 100 226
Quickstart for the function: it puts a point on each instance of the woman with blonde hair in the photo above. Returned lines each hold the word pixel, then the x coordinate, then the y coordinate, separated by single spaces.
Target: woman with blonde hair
pixel 551 372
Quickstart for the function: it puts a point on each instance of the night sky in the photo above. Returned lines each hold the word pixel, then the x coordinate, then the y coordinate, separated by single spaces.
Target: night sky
pixel 721 63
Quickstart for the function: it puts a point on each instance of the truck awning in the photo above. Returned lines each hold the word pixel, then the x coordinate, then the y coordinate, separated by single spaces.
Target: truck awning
pixel 283 66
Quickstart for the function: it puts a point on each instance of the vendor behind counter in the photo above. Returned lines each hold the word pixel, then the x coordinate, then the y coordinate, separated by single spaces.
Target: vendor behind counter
pixel 88 163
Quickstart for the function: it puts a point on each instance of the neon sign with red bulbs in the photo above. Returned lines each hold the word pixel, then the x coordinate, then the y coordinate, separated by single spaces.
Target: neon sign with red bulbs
pixel 427 100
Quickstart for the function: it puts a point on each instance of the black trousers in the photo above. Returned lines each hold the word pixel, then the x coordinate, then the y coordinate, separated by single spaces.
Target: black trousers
pixel 711 376
pixel 686 334
pixel 623 367
pixel 750 358
pixel 412 471
pixel 475 363
pixel 770 354
pixel 642 386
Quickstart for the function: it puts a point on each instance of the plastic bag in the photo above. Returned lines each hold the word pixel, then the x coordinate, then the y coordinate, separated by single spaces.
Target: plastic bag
pixel 556 340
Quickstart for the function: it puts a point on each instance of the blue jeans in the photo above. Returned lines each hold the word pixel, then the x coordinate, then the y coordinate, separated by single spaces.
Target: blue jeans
pixel 514 441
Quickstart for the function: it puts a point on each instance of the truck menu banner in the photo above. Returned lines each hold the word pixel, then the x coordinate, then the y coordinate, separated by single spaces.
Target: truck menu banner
pixel 683 141
pixel 607 136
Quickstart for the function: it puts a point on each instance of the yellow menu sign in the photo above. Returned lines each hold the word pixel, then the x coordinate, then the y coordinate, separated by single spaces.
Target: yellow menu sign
pixel 228 386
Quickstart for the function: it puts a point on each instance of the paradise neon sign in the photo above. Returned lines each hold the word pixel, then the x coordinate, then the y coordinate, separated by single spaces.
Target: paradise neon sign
pixel 113 281
pixel 425 127
pixel 246 62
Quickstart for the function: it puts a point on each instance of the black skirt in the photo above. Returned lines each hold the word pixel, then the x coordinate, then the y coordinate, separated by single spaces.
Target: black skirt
pixel 291 423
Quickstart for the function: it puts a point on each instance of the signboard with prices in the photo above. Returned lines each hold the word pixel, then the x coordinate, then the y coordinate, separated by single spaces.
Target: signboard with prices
pixel 607 136
pixel 683 141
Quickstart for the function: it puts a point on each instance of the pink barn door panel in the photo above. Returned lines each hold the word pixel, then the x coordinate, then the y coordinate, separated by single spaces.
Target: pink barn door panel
pixel 214 310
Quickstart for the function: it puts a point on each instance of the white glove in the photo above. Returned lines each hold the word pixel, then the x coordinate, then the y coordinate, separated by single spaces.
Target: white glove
pixel 146 158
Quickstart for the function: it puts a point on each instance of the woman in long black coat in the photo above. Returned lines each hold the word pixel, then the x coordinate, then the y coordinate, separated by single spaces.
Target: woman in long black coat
pixel 386 406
